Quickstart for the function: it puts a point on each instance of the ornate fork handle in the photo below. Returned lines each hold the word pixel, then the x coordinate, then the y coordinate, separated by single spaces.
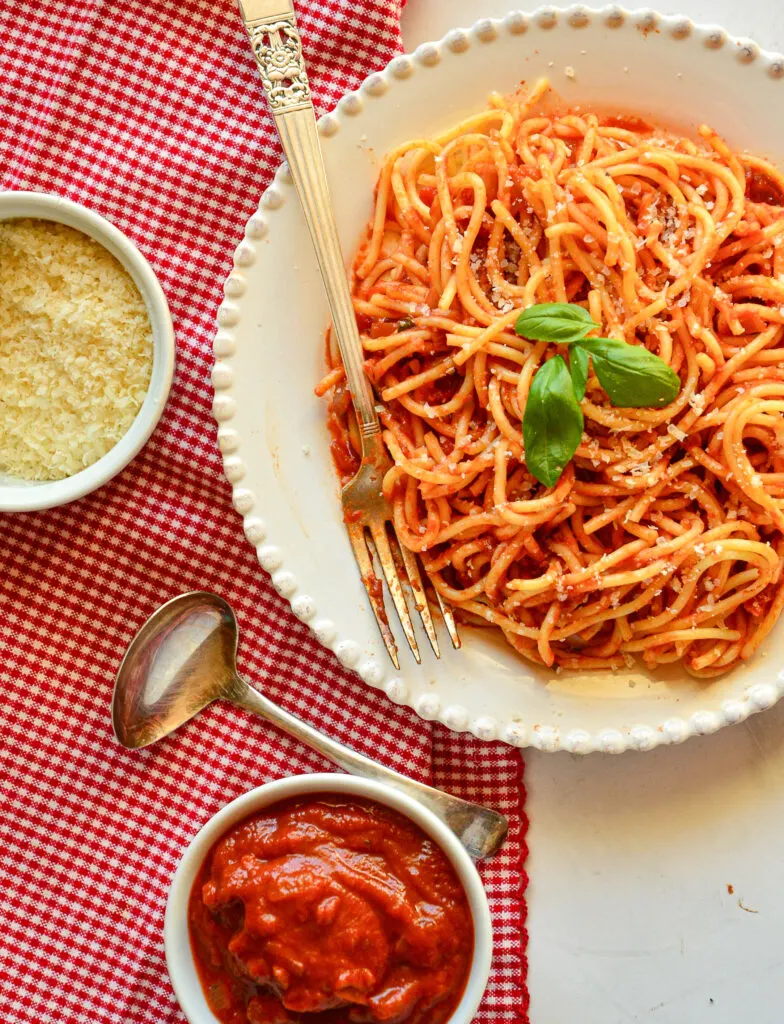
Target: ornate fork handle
pixel 276 44
pixel 278 51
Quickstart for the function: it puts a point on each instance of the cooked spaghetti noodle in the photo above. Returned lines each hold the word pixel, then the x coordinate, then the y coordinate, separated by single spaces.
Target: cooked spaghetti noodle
pixel 664 536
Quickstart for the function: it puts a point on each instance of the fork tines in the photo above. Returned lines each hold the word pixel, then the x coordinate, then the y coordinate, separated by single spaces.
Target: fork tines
pixel 391 558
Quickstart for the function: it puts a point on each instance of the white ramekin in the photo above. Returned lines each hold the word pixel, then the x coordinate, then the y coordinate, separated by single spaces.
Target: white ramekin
pixel 179 958
pixel 27 496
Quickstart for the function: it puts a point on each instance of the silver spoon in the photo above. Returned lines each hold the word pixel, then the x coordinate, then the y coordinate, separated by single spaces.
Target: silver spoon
pixel 183 658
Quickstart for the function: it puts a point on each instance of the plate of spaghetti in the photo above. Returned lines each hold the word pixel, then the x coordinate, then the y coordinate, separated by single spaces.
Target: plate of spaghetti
pixel 572 311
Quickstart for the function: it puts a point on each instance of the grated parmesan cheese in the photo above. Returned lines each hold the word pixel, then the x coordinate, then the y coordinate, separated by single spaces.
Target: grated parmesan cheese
pixel 75 350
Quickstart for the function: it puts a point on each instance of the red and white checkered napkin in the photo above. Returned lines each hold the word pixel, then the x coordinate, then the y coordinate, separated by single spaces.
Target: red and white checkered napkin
pixel 152 114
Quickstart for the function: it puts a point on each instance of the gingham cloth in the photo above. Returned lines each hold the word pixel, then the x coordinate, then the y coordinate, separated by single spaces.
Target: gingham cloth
pixel 151 113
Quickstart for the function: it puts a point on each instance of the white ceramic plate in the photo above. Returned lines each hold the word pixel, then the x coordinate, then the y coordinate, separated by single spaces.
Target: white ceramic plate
pixel 269 356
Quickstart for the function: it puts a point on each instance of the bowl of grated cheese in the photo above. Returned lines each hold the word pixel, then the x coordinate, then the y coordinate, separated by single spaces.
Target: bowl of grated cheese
pixel 86 351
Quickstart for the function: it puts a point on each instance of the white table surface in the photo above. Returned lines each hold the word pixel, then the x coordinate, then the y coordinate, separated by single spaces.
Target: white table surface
pixel 630 916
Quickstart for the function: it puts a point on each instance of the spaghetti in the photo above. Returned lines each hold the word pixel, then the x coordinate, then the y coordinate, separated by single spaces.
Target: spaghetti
pixel 664 536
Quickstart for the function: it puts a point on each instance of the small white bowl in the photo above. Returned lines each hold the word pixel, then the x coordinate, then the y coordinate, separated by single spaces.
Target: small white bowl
pixel 179 958
pixel 29 495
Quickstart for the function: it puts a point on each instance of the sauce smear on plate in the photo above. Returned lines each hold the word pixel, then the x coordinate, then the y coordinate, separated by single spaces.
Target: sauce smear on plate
pixel 330 909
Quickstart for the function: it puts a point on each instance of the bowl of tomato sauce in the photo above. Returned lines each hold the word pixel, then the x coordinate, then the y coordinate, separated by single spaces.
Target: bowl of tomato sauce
pixel 327 899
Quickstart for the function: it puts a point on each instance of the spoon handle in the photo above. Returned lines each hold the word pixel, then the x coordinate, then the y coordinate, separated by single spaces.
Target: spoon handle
pixel 479 829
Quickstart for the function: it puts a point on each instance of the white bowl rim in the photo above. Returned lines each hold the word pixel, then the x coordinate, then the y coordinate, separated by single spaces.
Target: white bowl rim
pixel 178 960
pixel 29 496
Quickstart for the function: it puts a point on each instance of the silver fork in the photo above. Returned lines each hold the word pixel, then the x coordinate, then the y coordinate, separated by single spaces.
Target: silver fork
pixel 276 44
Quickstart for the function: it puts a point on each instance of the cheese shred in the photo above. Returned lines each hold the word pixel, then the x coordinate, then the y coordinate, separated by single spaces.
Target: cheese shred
pixel 76 350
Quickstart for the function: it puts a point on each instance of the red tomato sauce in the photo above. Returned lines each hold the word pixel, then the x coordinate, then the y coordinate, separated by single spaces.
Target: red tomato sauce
pixel 629 122
pixel 330 910
pixel 762 189
pixel 343 454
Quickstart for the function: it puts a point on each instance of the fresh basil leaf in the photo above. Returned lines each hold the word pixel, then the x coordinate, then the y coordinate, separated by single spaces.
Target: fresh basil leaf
pixel 578 367
pixel 405 324
pixel 560 322
pixel 552 422
pixel 630 374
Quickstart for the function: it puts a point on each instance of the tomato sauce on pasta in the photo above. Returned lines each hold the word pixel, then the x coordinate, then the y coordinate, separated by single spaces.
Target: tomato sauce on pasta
pixel 664 536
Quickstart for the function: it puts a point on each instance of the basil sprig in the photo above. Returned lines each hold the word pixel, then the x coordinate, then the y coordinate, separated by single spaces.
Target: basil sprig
pixel 553 422
pixel 562 322
pixel 632 376
pixel 578 366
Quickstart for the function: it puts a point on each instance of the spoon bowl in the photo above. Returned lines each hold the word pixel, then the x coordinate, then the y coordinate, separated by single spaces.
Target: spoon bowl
pixel 181 660
pixel 184 658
